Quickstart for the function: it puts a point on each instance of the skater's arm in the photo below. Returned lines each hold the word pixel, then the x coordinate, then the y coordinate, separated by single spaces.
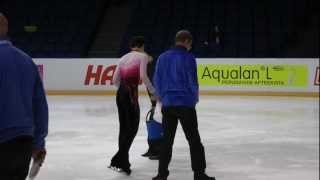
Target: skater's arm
pixel 157 78
pixel 116 76
pixel 144 75
pixel 151 96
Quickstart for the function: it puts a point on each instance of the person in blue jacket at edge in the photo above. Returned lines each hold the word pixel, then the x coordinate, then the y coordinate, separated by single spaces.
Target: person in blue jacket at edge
pixel 23 110
pixel 176 85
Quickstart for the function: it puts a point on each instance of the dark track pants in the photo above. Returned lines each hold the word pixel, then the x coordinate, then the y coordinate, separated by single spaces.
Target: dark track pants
pixel 129 117
pixel 15 156
pixel 188 120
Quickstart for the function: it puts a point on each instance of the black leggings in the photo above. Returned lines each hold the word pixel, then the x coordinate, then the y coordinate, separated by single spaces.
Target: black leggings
pixel 15 156
pixel 129 117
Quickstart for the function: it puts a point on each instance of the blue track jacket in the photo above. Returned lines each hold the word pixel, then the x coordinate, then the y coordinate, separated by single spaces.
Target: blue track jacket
pixel 23 105
pixel 175 78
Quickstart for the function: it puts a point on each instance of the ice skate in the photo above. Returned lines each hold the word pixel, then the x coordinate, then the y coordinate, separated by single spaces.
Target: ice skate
pixel 158 177
pixel 154 156
pixel 203 176
pixel 125 170
pixel 120 167
pixel 147 154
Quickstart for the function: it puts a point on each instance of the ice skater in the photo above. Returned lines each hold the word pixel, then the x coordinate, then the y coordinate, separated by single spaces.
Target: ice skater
pixel 131 68
pixel 23 110
pixel 176 84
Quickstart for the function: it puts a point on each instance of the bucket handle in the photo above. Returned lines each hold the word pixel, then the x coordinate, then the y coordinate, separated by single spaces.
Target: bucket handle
pixel 148 116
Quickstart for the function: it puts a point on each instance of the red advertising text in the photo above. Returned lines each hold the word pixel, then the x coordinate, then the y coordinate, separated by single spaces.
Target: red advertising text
pixel 317 78
pixel 41 70
pixel 99 75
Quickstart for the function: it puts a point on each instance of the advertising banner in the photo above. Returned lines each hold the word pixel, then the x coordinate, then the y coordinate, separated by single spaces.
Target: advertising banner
pixel 94 76
pixel 258 75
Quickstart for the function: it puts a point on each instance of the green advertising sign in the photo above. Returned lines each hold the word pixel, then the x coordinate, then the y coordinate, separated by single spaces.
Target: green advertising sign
pixel 266 75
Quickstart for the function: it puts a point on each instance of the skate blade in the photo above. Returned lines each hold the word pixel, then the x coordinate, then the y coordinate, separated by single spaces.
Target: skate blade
pixel 115 169
pixel 119 170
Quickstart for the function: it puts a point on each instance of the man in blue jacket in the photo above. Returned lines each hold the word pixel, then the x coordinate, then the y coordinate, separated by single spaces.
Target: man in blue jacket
pixel 177 86
pixel 23 110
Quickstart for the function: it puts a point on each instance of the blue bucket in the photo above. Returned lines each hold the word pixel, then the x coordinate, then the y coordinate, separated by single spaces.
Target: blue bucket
pixel 154 128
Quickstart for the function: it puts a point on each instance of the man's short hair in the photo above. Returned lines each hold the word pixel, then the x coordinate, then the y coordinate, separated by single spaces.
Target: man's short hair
pixel 137 42
pixel 183 35
pixel 4 19
pixel 3 25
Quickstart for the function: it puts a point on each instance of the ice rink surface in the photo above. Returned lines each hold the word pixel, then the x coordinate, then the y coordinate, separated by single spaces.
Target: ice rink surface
pixel 245 138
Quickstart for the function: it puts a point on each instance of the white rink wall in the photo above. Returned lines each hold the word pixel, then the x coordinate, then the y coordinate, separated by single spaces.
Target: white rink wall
pixel 299 77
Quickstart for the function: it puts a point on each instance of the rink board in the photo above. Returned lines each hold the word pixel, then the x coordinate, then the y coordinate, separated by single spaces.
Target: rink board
pixel 257 77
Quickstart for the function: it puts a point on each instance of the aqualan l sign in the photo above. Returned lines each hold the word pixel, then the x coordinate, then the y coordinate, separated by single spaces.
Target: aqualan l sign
pixel 99 75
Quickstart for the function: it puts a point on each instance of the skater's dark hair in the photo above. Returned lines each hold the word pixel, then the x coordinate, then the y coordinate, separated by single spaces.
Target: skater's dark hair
pixel 137 42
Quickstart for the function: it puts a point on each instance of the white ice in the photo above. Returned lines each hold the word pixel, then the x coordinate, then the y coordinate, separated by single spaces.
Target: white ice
pixel 245 138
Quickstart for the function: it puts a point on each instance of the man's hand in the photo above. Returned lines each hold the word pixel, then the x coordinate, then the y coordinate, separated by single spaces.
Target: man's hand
pixel 39 155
